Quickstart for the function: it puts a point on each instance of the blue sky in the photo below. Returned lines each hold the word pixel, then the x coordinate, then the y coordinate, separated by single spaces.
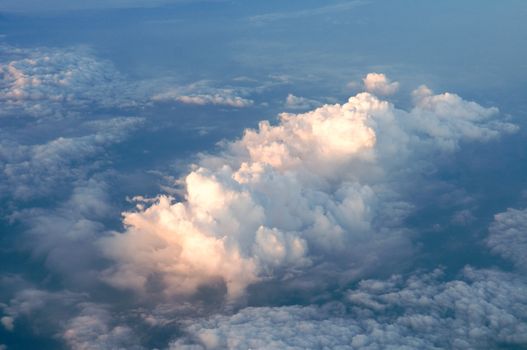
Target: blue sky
pixel 279 174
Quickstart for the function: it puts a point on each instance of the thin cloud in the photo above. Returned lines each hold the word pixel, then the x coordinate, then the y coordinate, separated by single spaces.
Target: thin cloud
pixel 279 16
pixel 298 102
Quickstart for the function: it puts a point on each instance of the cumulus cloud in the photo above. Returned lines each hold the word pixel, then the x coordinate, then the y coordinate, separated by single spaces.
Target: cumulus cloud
pixel 315 199
pixel 508 237
pixel 482 309
pixel 322 188
pixel 47 82
pixel 379 84
pixel 297 102
pixel 446 119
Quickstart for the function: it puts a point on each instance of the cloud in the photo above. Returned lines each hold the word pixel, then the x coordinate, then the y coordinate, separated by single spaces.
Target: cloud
pixel 508 237
pixel 317 11
pixel 52 82
pixel 319 191
pixel 80 324
pixel 29 171
pixel 314 202
pixel 8 323
pixel 94 328
pixel 482 309
pixel 297 102
pixel 36 306
pixel 220 100
pixel 447 118
pixel 380 85
pixel 201 93
pixel 56 83
pixel 63 237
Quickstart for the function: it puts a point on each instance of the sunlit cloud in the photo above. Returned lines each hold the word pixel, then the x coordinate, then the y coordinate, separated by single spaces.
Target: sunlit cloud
pixel 380 85
pixel 211 174
pixel 319 184
pixel 201 94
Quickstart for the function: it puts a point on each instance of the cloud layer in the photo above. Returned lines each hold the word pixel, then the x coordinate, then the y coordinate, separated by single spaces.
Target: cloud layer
pixel 34 170
pixel 43 82
pixel 482 309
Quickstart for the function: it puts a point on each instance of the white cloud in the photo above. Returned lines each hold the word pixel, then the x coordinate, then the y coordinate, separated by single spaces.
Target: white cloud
pixel 508 236
pixel 297 102
pixel 220 100
pixel 447 119
pixel 46 82
pixel 483 309
pixel 379 84
pixel 201 93
pixel 28 171
pixel 94 328
pixel 316 198
pixel 322 186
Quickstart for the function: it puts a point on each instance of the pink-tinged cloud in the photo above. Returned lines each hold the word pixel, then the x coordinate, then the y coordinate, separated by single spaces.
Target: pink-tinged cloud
pixel 324 186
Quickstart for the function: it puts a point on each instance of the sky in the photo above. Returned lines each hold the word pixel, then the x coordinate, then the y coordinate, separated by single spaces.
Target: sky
pixel 213 174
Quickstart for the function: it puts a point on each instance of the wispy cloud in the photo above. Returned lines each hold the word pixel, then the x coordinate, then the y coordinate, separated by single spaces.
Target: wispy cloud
pixel 205 92
pixel 279 16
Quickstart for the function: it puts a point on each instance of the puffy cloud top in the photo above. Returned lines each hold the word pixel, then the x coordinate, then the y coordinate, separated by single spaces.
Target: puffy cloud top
pixel 379 84
pixel 321 186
